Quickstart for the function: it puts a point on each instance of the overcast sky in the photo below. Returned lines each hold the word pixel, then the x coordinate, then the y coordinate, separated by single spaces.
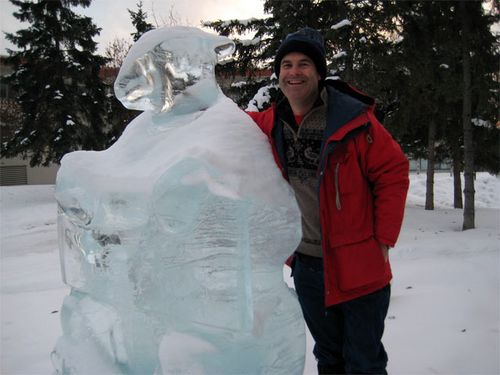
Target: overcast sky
pixel 114 20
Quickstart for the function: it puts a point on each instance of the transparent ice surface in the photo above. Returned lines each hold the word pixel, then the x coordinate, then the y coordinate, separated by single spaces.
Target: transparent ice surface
pixel 173 239
pixel 166 66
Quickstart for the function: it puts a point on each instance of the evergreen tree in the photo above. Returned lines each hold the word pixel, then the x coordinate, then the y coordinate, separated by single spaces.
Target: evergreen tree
pixel 469 211
pixel 56 78
pixel 249 56
pixel 427 79
pixel 354 32
pixel 480 65
pixel 407 54
pixel 423 52
pixel 485 65
pixel 117 116
pixel 139 20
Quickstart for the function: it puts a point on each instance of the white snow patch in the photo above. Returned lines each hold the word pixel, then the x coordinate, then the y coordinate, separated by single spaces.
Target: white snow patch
pixel 444 316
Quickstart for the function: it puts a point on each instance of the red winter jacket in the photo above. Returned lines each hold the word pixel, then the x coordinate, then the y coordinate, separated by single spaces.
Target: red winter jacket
pixel 363 178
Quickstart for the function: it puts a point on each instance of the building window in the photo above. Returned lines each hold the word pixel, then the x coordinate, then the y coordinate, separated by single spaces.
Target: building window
pixel 13 175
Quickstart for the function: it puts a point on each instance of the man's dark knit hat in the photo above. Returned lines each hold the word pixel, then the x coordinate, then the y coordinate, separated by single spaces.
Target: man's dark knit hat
pixel 307 41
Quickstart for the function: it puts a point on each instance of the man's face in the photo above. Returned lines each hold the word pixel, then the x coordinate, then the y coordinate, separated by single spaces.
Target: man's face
pixel 298 77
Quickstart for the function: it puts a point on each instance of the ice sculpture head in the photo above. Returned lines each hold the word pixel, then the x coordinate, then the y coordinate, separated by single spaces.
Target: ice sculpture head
pixel 172 67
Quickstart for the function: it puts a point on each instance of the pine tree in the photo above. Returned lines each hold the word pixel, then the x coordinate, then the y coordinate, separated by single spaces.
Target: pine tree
pixel 427 78
pixel 355 32
pixel 480 65
pixel 469 211
pixel 56 78
pixel 422 61
pixel 407 54
pixel 485 65
pixel 139 20
pixel 249 56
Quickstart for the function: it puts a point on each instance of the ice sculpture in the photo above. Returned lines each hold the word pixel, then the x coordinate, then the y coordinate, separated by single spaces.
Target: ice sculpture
pixel 173 239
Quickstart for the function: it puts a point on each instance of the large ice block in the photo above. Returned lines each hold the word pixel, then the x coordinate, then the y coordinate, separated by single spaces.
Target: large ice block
pixel 173 239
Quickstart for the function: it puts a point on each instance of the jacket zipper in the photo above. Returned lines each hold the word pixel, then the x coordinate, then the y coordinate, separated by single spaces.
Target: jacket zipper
pixel 337 192
pixel 296 134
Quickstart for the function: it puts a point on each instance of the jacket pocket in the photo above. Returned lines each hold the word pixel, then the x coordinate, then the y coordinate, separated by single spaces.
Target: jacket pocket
pixel 360 264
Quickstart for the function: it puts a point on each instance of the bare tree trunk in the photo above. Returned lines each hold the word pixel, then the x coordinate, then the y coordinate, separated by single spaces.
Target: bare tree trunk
pixel 457 179
pixel 431 156
pixel 469 212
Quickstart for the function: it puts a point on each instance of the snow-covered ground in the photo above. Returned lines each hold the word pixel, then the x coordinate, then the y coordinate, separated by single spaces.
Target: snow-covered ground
pixel 444 314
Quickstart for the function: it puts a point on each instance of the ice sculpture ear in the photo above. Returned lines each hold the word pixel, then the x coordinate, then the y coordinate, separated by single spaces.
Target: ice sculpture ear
pixel 224 51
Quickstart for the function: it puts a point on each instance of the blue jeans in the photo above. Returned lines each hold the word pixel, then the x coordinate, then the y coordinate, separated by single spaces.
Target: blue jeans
pixel 348 335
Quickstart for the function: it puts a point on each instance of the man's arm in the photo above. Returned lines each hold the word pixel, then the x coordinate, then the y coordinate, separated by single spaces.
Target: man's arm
pixel 387 169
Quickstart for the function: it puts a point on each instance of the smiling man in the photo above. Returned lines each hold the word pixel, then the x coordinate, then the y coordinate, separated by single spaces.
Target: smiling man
pixel 299 82
pixel 350 180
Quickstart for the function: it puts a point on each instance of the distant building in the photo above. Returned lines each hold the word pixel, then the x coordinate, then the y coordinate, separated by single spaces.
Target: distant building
pixel 17 171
